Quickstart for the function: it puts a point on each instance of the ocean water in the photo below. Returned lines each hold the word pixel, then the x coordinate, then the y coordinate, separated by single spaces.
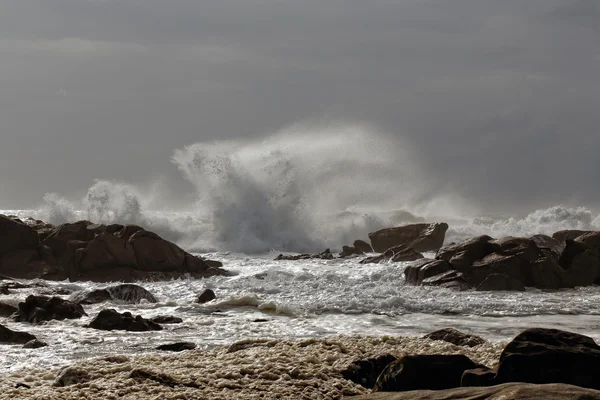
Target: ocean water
pixel 300 191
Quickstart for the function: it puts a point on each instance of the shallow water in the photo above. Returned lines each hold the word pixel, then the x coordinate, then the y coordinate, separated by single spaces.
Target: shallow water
pixel 301 299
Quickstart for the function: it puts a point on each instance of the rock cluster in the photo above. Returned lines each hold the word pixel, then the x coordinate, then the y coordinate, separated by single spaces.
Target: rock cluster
pixel 87 251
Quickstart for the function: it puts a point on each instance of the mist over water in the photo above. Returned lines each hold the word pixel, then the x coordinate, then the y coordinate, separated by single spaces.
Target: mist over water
pixel 304 188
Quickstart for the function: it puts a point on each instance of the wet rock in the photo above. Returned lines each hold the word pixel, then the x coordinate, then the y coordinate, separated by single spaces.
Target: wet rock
pixel 569 234
pixel 179 346
pixel 6 310
pixel 166 319
pixel 362 246
pixel 581 263
pixel 432 372
pixel 365 372
pixel 325 255
pixel 501 282
pixel 110 319
pixel 400 253
pixel 550 356
pixel 415 273
pixel 478 377
pixel 464 254
pixel 547 274
pixel 456 337
pixel 420 237
pixel 127 293
pixel 548 242
pixel 68 376
pixel 14 337
pixel 36 309
pixel 348 251
pixel 34 344
pixel 206 296
pixel 450 280
pixel 15 236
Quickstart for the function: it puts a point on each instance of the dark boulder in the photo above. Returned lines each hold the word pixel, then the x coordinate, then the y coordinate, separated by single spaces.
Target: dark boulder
pixel 464 254
pixel 363 246
pixel 127 293
pixel 6 310
pixel 456 337
pixel 432 372
pixel 365 372
pixel 449 280
pixel 478 377
pixel 325 255
pixel 400 253
pixel 206 296
pixel 420 237
pixel 15 235
pixel 14 337
pixel 348 251
pixel 179 346
pixel 110 319
pixel 415 273
pixel 550 356
pixel 36 309
pixel 569 234
pixel 581 263
pixel 34 344
pixel 500 282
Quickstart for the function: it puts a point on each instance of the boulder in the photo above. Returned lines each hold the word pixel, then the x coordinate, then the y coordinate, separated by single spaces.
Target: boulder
pixel 500 282
pixel 420 237
pixel 348 251
pixel 449 280
pixel 548 242
pixel 581 263
pixel 363 246
pixel 398 253
pixel 15 235
pixel 547 274
pixel 36 309
pixel 508 391
pixel 590 239
pixel 179 346
pixel 366 371
pixel 415 273
pixel 14 337
pixel 6 310
pixel 127 293
pixel 464 254
pixel 569 234
pixel 550 356
pixel 478 377
pixel 325 255
pixel 432 372
pixel 110 319
pixel 206 296
pixel 456 337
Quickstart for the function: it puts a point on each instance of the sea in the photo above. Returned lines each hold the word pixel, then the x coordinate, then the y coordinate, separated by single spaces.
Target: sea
pixel 297 193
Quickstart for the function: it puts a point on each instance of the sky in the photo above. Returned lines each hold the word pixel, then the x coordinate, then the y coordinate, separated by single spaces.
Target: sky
pixel 499 100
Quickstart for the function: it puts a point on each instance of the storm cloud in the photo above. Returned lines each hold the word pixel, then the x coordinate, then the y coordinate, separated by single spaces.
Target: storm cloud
pixel 499 100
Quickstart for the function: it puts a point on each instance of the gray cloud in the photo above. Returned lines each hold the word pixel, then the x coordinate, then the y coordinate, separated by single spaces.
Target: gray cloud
pixel 499 99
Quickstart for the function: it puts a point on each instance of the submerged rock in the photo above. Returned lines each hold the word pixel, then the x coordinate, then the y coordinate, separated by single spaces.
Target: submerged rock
pixel 456 337
pixel 14 337
pixel 166 319
pixel 36 309
pixel 110 319
pixel 179 346
pixel 325 255
pixel 206 296
pixel 34 344
pixel 128 293
pixel 398 253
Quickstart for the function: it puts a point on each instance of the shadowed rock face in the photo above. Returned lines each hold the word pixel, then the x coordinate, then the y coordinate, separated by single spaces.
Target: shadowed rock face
pixel 110 319
pixel 14 337
pixel 36 309
pixel 87 251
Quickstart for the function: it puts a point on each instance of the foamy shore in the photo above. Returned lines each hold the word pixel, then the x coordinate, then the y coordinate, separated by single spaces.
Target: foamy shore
pixel 248 369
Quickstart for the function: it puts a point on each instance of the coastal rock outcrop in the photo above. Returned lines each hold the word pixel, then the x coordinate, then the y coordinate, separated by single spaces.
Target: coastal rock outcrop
pixel 36 309
pixel 87 251
pixel 110 319
pixel 420 237
pixel 397 253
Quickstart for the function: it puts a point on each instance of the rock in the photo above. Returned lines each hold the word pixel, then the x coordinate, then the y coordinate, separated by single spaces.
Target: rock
pixel 206 296
pixel 325 255
pixel 508 391
pixel 550 356
pixel 34 344
pixel 456 337
pixel 127 293
pixel 415 273
pixel 68 376
pixel 365 372
pixel 500 282
pixel 547 274
pixel 398 253
pixel 110 319
pixel 363 246
pixel 432 372
pixel 348 251
pixel 569 234
pixel 15 235
pixel 6 310
pixel 166 319
pixel 14 337
pixel 464 254
pixel 478 377
pixel 36 309
pixel 179 346
pixel 581 263
pixel 450 280
pixel 420 237
pixel 548 242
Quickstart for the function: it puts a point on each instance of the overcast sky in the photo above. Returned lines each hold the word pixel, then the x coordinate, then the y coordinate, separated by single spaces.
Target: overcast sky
pixel 500 99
